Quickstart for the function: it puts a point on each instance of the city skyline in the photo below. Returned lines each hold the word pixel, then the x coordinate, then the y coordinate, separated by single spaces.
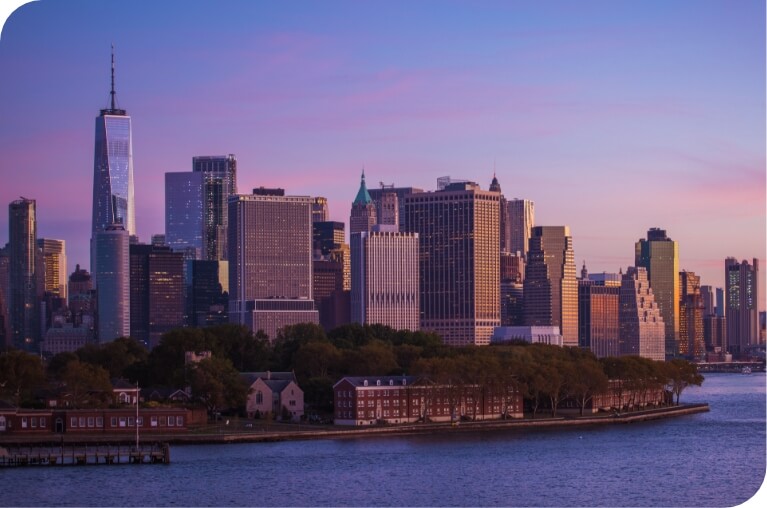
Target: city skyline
pixel 613 119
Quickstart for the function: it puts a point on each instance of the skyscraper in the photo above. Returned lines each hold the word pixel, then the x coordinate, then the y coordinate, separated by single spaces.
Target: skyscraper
pixel 319 209
pixel 385 278
pixel 459 261
pixel 504 224
pixel 207 292
pixel 521 217
pixel 25 293
pixel 598 316
pixel 551 289
pixel 641 323
pixel 384 213
pixel 660 256
pixel 742 296
pixel 184 219
pixel 112 172
pixel 270 262
pixel 112 283
pixel 691 312
pixel 363 215
pixel 219 184
pixel 54 254
pixel 156 292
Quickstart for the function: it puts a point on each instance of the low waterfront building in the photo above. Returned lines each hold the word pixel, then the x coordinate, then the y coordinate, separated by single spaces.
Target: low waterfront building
pixel 530 334
pixel 406 399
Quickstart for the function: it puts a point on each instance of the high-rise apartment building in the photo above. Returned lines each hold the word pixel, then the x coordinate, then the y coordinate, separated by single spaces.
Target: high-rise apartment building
pixel 521 218
pixel 459 260
pixel 363 215
pixel 385 278
pixel 112 280
pixel 691 313
pixel 742 296
pixel 551 289
pixel 156 292
pixel 219 184
pixel 184 220
pixel 113 200
pixel 642 332
pixel 659 255
pixel 270 262
pixel 24 277
pixel 598 316
pixel 54 255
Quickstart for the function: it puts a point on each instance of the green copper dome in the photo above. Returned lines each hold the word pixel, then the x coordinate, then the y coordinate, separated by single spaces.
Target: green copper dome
pixel 363 197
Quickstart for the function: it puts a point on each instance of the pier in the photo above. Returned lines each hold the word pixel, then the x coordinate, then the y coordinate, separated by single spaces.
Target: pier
pixel 84 454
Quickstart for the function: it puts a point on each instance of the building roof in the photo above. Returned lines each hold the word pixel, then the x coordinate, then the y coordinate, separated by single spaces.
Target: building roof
pixel 251 377
pixel 363 197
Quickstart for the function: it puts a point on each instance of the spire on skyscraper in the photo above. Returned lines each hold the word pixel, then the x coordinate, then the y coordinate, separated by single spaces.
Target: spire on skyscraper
pixel 112 92
pixel 363 197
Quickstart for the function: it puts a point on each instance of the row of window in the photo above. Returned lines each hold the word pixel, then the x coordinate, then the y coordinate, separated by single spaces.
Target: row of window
pixel 33 422
pixel 123 421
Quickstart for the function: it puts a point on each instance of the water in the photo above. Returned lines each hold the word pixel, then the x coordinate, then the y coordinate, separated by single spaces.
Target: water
pixel 710 459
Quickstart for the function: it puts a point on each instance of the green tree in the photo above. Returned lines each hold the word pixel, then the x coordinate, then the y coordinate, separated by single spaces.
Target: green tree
pixel 217 384
pixel 87 384
pixel 315 359
pixel 587 379
pixel 166 361
pixel 246 352
pixel 20 374
pixel 681 374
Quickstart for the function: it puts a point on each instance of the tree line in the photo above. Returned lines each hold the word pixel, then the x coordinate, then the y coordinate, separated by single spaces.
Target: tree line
pixel 545 375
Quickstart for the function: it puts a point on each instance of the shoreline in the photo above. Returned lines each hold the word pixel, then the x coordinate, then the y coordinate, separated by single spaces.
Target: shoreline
pixel 288 434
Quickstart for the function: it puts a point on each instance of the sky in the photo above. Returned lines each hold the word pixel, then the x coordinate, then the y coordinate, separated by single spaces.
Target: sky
pixel 613 117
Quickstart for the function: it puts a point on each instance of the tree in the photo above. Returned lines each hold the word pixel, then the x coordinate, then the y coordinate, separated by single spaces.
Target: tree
pixel 682 374
pixel 166 361
pixel 246 352
pixel 217 384
pixel 87 384
pixel 315 359
pixel 20 374
pixel 587 379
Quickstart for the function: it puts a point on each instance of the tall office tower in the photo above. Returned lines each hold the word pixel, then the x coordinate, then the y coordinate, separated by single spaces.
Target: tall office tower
pixel 388 209
pixel 385 278
pixel 342 254
pixel 82 301
pixel 54 254
pixel 642 331
pixel 504 224
pixel 691 312
pixel 720 302
pixel 207 292
pixel 326 236
pixel 715 333
pixel 660 256
pixel 184 212
pixel 320 209
pixel 363 215
pixel 156 292
pixel 112 283
pixel 742 296
pixel 708 297
pixel 377 195
pixel 24 279
pixel 112 172
pixel 458 261
pixel 512 303
pixel 219 184
pixel 512 266
pixel 330 296
pixel 270 262
pixel 5 326
pixel 158 240
pixel 521 216
pixel 551 289
pixel 598 316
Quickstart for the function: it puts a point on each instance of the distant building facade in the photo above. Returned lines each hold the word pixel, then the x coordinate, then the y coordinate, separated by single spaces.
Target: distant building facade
pixel 459 260
pixel 112 283
pixel 742 297
pixel 691 311
pixel 24 277
pixel 54 253
pixel 184 193
pixel 551 289
pixel 659 255
pixel 642 331
pixel 385 278
pixel 363 215
pixel 219 178
pixel 207 292
pixel 270 262
pixel 531 334
pixel 598 314
pixel 521 217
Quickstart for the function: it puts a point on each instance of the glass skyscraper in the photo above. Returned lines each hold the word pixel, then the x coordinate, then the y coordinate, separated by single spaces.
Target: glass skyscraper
pixel 184 212
pixel 219 183
pixel 112 172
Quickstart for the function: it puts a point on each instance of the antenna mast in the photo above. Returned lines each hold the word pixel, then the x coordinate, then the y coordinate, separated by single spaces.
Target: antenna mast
pixel 112 92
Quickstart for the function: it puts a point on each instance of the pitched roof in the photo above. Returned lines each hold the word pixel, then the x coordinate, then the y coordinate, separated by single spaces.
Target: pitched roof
pixel 363 196
pixel 359 381
pixel 250 377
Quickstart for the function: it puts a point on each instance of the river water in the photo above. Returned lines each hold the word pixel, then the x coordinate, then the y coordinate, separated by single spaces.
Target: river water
pixel 711 459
